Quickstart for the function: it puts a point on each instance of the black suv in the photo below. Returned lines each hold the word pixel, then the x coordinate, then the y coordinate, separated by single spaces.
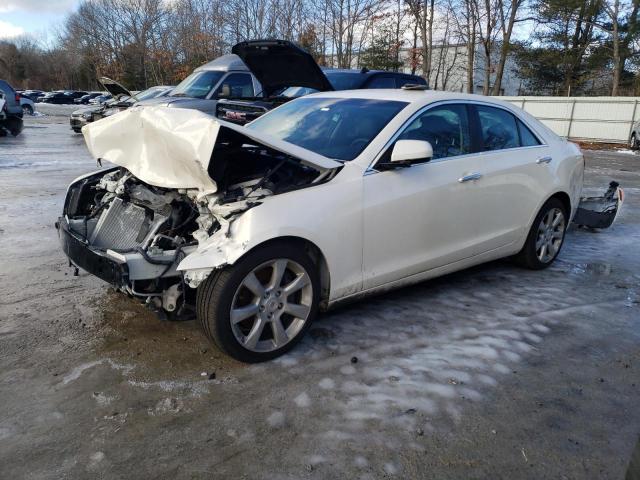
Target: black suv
pixel 286 71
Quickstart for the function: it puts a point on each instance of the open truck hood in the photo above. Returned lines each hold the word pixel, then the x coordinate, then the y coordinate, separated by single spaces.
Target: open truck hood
pixel 172 147
pixel 279 63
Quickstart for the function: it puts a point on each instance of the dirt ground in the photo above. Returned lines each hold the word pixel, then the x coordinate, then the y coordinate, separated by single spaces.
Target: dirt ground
pixel 493 372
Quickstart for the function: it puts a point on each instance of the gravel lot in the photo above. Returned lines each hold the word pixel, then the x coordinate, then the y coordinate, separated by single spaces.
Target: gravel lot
pixel 493 372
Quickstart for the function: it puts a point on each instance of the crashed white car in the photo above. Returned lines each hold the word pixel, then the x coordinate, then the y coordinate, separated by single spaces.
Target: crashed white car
pixel 324 199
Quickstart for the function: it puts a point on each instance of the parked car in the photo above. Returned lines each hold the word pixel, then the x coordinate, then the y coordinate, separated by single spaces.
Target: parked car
pixel 28 107
pixel 122 99
pixel 33 95
pixel 83 100
pixel 99 100
pixel 224 76
pixel 286 71
pixel 66 97
pixel 324 199
pixel 12 121
pixel 634 137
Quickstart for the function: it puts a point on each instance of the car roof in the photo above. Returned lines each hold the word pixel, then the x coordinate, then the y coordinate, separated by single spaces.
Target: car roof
pixel 365 72
pixel 224 63
pixel 409 96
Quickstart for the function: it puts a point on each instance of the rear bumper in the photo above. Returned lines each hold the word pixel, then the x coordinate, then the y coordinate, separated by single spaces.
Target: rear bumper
pixel 600 212
pixel 92 261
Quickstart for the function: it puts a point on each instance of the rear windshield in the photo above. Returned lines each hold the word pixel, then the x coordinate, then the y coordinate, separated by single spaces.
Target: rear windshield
pixel 198 84
pixel 338 128
pixel 344 80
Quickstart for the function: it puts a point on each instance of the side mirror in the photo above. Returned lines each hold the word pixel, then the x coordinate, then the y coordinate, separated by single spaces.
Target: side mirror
pixel 408 151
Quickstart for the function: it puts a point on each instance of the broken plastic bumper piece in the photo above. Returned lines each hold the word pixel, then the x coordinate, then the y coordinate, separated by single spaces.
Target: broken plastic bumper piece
pixel 600 212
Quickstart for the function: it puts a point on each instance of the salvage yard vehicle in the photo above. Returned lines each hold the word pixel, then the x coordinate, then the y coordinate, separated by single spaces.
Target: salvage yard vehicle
pixel 325 199
pixel 634 137
pixel 11 120
pixel 224 77
pixel 285 71
pixel 122 99
pixel 62 97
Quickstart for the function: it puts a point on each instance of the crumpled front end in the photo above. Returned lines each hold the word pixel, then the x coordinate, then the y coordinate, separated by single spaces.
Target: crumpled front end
pixel 135 224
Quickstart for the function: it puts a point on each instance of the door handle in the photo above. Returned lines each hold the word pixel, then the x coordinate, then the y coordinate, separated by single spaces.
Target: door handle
pixel 546 159
pixel 471 176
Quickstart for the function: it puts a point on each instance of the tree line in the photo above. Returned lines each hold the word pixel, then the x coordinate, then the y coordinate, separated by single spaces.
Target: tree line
pixel 558 47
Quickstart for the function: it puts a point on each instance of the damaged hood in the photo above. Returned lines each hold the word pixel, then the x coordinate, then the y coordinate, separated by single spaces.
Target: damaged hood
pixel 172 147
pixel 279 63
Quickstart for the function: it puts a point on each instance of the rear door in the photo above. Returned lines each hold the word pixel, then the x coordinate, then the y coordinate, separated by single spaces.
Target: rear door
pixel 516 170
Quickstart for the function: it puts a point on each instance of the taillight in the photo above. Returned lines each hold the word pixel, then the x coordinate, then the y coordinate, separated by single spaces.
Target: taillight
pixel 17 97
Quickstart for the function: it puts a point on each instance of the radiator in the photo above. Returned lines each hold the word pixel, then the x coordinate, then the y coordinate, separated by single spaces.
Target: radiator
pixel 124 226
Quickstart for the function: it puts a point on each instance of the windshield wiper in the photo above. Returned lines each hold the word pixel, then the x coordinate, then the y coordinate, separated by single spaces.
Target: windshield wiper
pixel 179 94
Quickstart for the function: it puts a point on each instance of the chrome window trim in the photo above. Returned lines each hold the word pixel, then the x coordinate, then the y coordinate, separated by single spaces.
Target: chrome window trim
pixel 371 168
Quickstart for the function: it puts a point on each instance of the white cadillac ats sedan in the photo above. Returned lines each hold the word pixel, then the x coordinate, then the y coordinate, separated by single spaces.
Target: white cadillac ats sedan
pixel 324 199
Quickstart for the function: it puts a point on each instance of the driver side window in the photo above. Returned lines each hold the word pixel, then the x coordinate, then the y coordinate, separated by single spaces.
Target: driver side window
pixel 445 127
pixel 235 85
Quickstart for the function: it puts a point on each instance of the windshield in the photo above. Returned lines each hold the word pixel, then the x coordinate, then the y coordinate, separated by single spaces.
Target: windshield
pixel 295 92
pixel 338 80
pixel 338 128
pixel 198 84
pixel 152 92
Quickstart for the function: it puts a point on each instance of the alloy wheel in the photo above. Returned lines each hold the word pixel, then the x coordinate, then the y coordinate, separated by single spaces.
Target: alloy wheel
pixel 550 235
pixel 271 305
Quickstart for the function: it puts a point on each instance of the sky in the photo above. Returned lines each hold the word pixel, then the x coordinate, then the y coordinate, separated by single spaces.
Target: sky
pixel 39 18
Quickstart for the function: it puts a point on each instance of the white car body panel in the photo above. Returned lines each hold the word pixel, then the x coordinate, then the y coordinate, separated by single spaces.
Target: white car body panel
pixel 375 229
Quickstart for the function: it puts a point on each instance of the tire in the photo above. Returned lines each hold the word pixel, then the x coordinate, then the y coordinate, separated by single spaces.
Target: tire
pixel 265 328
pixel 532 256
pixel 634 144
pixel 77 130
pixel 27 110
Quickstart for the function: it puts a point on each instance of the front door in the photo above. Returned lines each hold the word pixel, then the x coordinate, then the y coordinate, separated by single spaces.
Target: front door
pixel 426 215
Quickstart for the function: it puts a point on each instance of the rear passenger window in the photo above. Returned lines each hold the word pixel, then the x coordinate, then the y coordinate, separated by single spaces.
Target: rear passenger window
pixel 445 127
pixel 527 138
pixel 499 128
pixel 382 82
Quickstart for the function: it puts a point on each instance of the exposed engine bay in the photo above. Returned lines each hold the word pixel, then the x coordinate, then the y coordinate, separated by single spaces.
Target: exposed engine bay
pixel 134 235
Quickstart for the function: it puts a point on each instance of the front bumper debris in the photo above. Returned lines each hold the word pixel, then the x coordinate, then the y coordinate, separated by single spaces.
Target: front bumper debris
pixel 90 260
pixel 600 212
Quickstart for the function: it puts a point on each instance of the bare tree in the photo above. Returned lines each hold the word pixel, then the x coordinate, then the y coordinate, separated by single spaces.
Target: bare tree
pixel 508 19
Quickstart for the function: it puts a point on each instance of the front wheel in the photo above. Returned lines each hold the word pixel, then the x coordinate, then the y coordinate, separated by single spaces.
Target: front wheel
pixel 634 144
pixel 546 236
pixel 27 110
pixel 260 307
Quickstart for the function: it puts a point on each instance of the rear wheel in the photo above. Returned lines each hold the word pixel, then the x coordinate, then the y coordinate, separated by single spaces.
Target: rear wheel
pixel 27 109
pixel 546 236
pixel 260 307
pixel 635 142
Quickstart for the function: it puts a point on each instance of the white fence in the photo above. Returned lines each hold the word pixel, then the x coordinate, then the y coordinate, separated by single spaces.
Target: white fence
pixel 599 119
